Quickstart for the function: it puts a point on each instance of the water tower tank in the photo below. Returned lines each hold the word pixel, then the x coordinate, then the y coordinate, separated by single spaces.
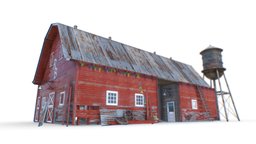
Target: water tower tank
pixel 212 61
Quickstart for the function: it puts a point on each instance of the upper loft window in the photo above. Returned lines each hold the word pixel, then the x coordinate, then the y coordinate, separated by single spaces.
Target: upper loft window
pixel 62 98
pixel 194 104
pixel 139 100
pixel 112 98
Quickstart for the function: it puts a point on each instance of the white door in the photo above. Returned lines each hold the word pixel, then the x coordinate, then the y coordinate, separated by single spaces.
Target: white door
pixel 171 111
pixel 50 108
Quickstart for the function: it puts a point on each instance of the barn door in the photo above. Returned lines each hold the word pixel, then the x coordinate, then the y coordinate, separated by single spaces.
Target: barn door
pixel 171 111
pixel 50 114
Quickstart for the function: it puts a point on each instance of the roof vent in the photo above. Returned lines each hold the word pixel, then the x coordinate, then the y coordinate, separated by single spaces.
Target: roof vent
pixel 154 52
pixel 110 38
pixel 75 26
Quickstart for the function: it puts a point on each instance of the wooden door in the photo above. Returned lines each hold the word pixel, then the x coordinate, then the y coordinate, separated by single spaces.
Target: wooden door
pixel 50 108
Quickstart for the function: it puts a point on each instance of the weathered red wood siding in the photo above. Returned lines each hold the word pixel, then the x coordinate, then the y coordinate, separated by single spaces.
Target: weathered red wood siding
pixel 188 92
pixel 64 79
pixel 94 81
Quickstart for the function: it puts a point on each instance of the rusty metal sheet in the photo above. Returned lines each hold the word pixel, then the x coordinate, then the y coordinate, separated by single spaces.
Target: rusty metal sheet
pixel 175 72
pixel 197 77
pixel 65 41
pixel 84 46
pixel 190 74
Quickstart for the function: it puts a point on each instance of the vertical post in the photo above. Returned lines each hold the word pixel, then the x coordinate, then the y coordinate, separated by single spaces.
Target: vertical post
pixel 217 105
pixel 147 105
pixel 40 107
pixel 159 95
pixel 54 105
pixel 75 95
pixel 69 101
pixel 64 109
pixel 222 96
pixel 37 97
pixel 231 97
pixel 74 110
pixel 211 83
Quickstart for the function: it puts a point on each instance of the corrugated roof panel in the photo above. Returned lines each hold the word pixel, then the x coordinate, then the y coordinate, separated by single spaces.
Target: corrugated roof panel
pixel 135 59
pixel 196 76
pixel 74 48
pixel 190 74
pixel 107 50
pixel 153 68
pixel 171 70
pixel 83 46
pixel 99 55
pixel 158 64
pixel 183 69
pixel 175 71
pixel 122 58
pixel 65 41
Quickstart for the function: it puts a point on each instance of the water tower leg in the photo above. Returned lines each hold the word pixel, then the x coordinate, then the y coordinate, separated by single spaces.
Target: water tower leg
pixel 231 97
pixel 217 106
pixel 222 96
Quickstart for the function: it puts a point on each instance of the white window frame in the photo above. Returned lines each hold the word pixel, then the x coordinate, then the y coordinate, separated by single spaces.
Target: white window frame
pixel 194 104
pixel 143 100
pixel 107 97
pixel 64 96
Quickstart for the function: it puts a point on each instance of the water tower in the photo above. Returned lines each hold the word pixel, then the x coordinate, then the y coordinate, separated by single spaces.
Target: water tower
pixel 214 70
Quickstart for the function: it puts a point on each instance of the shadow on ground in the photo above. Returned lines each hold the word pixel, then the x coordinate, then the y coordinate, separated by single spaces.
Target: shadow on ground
pixel 18 124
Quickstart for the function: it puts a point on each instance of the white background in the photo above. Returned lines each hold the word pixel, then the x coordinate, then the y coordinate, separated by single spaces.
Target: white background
pixel 178 29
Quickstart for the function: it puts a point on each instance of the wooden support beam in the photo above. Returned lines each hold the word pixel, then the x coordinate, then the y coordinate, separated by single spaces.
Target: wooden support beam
pixel 147 107
pixel 75 93
pixel 36 107
pixel 69 102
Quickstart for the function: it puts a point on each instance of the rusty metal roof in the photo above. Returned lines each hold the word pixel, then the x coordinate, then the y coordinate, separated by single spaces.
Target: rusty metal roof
pixel 83 46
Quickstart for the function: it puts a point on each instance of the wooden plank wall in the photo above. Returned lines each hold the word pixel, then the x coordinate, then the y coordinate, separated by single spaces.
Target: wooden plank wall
pixel 188 92
pixel 95 80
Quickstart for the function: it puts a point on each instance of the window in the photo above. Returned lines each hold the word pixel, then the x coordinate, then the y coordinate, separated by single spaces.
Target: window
pixel 112 98
pixel 194 104
pixel 139 100
pixel 62 98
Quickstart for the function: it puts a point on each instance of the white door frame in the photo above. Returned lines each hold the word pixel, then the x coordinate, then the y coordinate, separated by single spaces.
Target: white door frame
pixel 50 107
pixel 167 105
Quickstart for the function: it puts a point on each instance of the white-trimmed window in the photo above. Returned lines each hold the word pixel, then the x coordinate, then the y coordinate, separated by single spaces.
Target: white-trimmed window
pixel 62 98
pixel 194 104
pixel 112 98
pixel 139 100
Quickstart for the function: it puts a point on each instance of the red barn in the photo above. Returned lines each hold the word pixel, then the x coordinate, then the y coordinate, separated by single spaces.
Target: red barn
pixel 85 78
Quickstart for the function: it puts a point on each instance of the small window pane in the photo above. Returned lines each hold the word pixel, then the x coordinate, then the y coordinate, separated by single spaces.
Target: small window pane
pixel 111 98
pixel 194 104
pixel 139 100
